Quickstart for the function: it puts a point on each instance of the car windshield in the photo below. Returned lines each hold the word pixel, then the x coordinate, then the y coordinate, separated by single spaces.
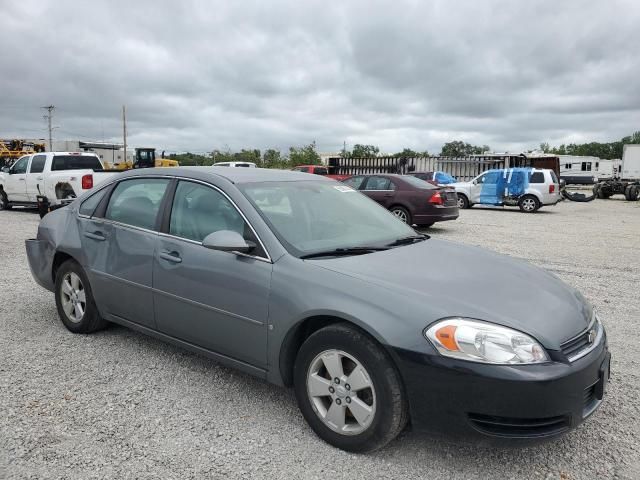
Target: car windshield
pixel 416 182
pixel 315 216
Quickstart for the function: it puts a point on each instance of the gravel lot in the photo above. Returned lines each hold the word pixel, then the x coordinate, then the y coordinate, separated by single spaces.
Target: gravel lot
pixel 120 405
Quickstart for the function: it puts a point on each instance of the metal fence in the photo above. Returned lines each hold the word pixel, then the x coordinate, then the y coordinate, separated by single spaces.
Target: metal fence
pixel 463 168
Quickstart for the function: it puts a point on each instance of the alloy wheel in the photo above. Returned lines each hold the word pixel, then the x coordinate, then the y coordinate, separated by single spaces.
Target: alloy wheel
pixel 529 204
pixel 341 392
pixel 73 296
pixel 460 202
pixel 401 214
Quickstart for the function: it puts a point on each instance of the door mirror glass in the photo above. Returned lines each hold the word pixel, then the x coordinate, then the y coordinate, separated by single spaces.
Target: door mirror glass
pixel 5 169
pixel 227 241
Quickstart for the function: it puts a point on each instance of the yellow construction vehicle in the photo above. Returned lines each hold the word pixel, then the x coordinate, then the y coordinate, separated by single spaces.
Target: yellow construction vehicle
pixel 11 150
pixel 144 158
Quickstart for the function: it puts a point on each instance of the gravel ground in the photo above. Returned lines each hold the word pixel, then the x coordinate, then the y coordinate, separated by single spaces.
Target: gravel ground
pixel 120 405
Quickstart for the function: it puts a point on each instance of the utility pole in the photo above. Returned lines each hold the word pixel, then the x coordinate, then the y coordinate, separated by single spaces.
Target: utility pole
pixel 124 130
pixel 49 117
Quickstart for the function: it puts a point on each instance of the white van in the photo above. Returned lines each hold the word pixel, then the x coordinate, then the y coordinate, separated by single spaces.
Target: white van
pixel 235 164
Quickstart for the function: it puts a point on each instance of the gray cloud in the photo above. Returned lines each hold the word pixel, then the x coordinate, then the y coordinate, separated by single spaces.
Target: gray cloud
pixel 203 75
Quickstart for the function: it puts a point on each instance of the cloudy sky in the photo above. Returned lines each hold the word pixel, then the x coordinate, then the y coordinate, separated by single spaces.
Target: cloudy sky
pixel 268 74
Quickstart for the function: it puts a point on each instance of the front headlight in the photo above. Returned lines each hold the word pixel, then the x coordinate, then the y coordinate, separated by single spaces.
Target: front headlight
pixel 484 342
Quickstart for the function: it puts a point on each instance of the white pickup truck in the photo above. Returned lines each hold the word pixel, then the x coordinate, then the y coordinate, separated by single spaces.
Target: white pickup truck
pixel 50 180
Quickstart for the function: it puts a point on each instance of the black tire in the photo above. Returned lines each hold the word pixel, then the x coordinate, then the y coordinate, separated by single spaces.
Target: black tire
pixel 90 321
pixel 597 191
pixel 402 214
pixel 529 204
pixel 4 201
pixel 633 193
pixel 463 201
pixel 391 408
pixel 627 192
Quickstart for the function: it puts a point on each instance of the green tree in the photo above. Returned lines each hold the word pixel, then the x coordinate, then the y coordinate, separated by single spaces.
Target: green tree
pixel 459 148
pixel 364 151
pixel 273 159
pixel 306 155
pixel 247 156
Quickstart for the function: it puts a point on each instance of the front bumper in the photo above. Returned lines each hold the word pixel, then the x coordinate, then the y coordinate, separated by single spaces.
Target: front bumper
pixel 467 399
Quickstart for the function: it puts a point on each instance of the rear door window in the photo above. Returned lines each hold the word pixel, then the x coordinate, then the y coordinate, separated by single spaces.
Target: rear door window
pixel 137 202
pixel 89 205
pixel 37 164
pixel 320 171
pixel 379 183
pixel 302 169
pixel 355 182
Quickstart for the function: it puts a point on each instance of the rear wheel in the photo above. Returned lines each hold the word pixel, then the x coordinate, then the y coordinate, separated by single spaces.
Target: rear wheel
pixel 529 204
pixel 463 201
pixel 633 193
pixel 74 299
pixel 348 390
pixel 402 214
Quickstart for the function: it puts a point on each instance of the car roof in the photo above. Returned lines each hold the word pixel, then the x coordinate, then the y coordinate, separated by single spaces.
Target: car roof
pixel 233 175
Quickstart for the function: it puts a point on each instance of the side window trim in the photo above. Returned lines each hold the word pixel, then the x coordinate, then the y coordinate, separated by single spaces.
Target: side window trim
pixel 168 205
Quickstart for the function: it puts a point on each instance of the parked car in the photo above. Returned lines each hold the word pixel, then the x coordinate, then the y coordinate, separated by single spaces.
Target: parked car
pixel 319 170
pixel 412 200
pixel 399 327
pixel 435 178
pixel 527 188
pixel 50 179
pixel 235 164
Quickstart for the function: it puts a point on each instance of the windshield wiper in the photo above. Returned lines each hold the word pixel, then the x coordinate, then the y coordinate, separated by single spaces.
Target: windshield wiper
pixel 408 240
pixel 344 252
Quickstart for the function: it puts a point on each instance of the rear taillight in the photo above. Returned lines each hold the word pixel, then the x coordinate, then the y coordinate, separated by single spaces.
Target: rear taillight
pixel 87 182
pixel 436 199
pixel 552 188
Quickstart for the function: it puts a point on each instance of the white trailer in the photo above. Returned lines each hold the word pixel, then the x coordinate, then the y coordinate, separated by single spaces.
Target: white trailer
pixel 627 182
pixel 579 170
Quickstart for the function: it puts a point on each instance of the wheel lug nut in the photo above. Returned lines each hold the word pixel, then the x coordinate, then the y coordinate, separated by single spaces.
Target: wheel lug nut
pixel 338 401
pixel 331 389
pixel 347 386
pixel 348 399
pixel 337 380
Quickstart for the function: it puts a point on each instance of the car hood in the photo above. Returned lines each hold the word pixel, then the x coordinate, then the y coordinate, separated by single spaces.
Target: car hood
pixel 447 279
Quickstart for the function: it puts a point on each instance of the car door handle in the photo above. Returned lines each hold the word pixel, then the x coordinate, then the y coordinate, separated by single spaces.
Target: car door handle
pixel 388 194
pixel 39 178
pixel 21 179
pixel 171 256
pixel 95 236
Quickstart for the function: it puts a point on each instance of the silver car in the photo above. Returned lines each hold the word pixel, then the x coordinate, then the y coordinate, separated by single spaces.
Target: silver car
pixel 303 281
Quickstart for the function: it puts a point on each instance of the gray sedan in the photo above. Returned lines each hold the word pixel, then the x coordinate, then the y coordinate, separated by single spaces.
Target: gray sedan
pixel 303 281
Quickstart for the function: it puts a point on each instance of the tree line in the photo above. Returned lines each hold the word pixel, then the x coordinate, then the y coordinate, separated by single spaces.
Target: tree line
pixel 308 155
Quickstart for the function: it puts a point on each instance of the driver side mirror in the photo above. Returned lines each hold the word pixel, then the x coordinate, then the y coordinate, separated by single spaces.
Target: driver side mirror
pixel 6 169
pixel 475 182
pixel 227 241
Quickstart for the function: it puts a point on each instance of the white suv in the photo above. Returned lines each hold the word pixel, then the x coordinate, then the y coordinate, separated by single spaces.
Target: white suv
pixel 527 188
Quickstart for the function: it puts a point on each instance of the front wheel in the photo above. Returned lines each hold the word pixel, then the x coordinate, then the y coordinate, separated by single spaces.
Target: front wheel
pixel 4 201
pixel 348 390
pixel 74 299
pixel 529 204
pixel 402 214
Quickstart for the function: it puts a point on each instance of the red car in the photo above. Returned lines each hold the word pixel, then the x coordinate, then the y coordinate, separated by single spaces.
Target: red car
pixel 412 200
pixel 319 170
